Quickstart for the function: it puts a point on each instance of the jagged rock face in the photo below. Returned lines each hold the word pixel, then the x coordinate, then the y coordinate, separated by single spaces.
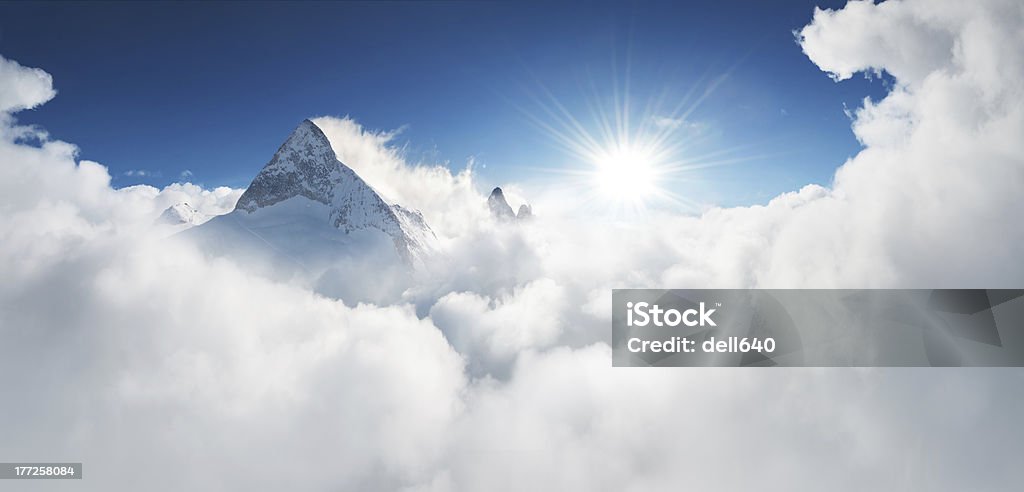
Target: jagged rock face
pixel 306 165
pixel 500 208
pixel 525 212
pixel 178 214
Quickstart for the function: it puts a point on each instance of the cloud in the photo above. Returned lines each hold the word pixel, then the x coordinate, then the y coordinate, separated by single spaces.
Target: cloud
pixel 899 37
pixel 151 343
pixel 939 159
pixel 22 87
pixel 669 123
pixel 491 332
pixel 138 354
pixel 568 420
pixel 448 201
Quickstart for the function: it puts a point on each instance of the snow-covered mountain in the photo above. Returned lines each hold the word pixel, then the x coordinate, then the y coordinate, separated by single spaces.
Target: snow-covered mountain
pixel 309 207
pixel 180 214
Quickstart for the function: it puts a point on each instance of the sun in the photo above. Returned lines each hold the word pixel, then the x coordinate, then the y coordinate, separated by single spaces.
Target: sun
pixel 627 157
pixel 620 165
pixel 625 174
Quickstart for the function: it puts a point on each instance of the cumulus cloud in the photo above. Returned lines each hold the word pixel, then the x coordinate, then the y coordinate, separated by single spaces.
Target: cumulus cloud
pixel 901 38
pixel 567 420
pixel 492 331
pixel 939 159
pixel 137 354
pixel 23 87
pixel 150 343
pixel 449 201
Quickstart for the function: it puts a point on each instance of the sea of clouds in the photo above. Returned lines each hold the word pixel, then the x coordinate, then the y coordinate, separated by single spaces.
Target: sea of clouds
pixel 162 368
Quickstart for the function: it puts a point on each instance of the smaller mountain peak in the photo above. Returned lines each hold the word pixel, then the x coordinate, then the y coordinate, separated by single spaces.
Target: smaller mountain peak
pixel 525 212
pixel 500 208
pixel 179 213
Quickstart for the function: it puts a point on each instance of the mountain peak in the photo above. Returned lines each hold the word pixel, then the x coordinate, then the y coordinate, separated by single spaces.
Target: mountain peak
pixel 500 208
pixel 305 135
pixel 306 167
pixel 525 212
pixel 179 213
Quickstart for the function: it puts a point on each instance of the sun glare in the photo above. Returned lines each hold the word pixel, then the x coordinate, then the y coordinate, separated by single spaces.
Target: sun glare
pixel 619 168
pixel 625 175
pixel 626 158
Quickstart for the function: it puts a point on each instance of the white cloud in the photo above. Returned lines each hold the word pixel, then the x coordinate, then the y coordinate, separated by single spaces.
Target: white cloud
pixel 147 342
pixel 670 123
pixel 491 332
pixel 137 354
pixel 902 38
pixel 940 160
pixel 448 201
pixel 567 420
pixel 23 87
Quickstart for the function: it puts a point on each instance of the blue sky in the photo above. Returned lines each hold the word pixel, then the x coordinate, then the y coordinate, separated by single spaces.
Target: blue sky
pixel 215 88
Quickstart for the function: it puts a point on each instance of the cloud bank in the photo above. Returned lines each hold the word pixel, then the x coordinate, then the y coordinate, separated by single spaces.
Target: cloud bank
pixel 138 354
